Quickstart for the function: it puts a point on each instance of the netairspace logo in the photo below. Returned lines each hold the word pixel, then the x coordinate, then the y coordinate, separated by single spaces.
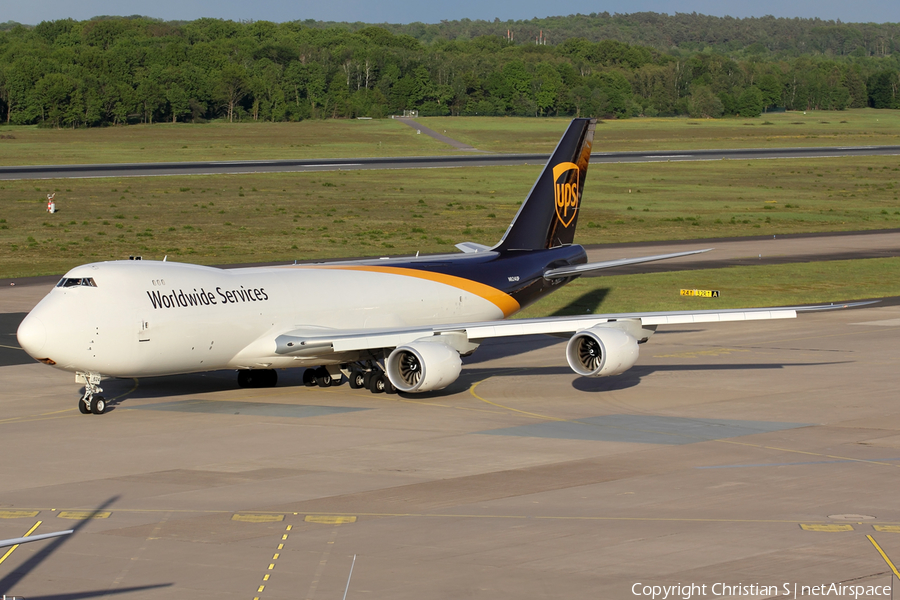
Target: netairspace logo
pixel 792 590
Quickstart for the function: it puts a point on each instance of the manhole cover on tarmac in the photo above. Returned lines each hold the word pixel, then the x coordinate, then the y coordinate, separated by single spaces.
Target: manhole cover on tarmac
pixel 851 517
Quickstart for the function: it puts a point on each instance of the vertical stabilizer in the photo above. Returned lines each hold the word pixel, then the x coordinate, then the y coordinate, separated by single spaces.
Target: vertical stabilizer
pixel 549 214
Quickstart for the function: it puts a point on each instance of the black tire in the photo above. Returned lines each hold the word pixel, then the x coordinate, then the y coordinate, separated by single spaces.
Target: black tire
pixel 244 379
pixel 376 383
pixel 98 405
pixel 270 378
pixel 357 379
pixel 309 377
pixel 367 379
pixel 323 377
pixel 388 386
pixel 83 408
pixel 257 378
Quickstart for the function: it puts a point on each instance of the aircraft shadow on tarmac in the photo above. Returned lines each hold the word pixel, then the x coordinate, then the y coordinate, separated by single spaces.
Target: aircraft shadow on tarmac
pixel 40 556
pixel 120 391
pixel 633 376
pixel 99 593
pixel 626 380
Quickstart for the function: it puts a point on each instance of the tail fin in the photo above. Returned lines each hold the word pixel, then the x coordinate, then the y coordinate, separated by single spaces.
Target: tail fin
pixel 549 214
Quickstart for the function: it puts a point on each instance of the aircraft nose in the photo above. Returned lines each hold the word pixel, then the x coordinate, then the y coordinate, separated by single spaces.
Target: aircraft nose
pixel 32 335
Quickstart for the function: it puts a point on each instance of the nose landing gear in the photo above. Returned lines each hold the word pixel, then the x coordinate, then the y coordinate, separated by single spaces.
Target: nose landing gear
pixel 91 401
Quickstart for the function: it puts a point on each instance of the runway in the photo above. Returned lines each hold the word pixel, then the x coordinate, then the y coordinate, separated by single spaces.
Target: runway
pixel 753 453
pixel 417 162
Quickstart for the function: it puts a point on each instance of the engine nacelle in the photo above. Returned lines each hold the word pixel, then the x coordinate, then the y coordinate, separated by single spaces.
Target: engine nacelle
pixel 601 351
pixel 423 366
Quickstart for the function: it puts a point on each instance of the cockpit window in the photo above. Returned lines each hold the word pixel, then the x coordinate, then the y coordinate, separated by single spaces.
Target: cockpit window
pixel 76 281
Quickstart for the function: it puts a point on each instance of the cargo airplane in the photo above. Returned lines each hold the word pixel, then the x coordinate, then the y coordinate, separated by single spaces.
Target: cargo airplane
pixel 395 324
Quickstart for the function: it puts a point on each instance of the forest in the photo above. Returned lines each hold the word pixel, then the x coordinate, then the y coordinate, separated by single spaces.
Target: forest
pixel 115 71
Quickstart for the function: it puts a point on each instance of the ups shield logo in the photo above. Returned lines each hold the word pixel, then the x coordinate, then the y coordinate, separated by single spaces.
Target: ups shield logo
pixel 565 188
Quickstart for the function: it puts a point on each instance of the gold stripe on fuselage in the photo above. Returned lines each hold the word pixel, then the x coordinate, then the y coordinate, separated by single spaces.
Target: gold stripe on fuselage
pixel 502 300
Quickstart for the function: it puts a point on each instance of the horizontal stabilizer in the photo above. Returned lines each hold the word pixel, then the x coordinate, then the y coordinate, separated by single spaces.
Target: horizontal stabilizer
pixel 33 538
pixel 469 247
pixel 569 271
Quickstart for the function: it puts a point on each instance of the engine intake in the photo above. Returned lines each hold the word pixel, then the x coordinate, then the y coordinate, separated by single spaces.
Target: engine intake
pixel 601 351
pixel 423 366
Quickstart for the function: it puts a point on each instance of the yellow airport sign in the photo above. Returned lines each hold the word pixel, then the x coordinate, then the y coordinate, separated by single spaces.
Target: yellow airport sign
pixel 701 293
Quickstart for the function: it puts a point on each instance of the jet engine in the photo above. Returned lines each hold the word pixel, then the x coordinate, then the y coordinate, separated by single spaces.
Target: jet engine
pixel 423 366
pixel 601 351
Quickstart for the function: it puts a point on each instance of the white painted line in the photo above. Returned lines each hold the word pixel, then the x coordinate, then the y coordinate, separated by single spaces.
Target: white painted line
pixel 883 323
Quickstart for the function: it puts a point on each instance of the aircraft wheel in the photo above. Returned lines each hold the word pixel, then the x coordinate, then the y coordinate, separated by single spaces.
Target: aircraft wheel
pixel 244 379
pixel 257 378
pixel 98 405
pixel 357 379
pixel 83 408
pixel 388 386
pixel 323 377
pixel 376 383
pixel 309 377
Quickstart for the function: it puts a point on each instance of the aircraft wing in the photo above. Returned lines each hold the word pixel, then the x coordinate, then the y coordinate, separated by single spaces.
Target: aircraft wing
pixel 33 538
pixel 568 271
pixel 315 341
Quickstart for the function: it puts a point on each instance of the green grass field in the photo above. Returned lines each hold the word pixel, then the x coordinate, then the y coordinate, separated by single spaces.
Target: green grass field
pixel 163 142
pixel 300 216
pixel 166 142
pixel 859 127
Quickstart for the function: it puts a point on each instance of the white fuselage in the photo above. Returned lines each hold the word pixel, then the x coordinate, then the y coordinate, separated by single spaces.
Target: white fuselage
pixel 143 318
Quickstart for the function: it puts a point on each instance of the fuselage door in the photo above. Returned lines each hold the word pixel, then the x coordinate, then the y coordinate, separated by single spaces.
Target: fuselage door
pixel 144 331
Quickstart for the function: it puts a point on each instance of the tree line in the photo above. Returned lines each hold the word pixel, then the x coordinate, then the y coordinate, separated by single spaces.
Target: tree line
pixel 110 71
pixel 680 33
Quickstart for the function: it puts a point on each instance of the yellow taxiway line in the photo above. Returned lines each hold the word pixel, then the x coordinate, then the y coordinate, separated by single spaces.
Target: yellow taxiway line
pixel 11 550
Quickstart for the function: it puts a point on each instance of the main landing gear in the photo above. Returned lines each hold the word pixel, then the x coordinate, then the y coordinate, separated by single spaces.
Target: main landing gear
pixel 321 377
pixel 367 374
pixel 372 377
pixel 91 401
